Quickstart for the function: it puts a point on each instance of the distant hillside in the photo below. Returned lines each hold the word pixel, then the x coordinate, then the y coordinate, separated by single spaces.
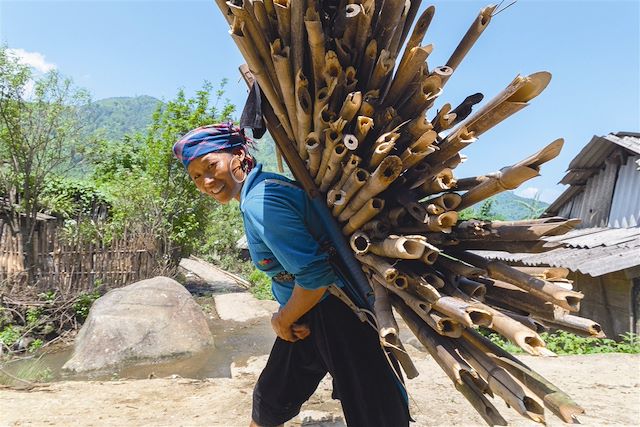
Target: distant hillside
pixel 265 153
pixel 508 206
pixel 119 116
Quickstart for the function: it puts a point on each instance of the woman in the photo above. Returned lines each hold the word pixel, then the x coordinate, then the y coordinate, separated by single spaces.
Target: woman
pixel 316 332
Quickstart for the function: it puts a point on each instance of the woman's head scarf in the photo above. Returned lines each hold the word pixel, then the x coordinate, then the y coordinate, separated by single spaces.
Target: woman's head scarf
pixel 209 139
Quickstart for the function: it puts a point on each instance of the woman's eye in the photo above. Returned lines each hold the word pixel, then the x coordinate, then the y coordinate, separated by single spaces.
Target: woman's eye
pixel 196 177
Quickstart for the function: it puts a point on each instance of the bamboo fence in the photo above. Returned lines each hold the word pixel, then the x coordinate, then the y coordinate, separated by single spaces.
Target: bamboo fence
pixel 76 264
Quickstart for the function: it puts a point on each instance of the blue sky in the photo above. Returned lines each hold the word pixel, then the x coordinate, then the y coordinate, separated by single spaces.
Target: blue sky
pixel 592 48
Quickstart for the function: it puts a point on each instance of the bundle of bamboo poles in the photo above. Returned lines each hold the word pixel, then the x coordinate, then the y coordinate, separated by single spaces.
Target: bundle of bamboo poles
pixel 350 95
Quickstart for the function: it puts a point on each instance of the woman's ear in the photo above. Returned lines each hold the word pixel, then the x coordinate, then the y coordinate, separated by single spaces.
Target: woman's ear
pixel 240 153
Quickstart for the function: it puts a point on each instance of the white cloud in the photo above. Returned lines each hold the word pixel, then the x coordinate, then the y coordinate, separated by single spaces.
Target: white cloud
pixel 528 192
pixel 35 60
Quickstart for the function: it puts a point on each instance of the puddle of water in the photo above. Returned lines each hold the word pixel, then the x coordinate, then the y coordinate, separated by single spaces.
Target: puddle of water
pixel 234 342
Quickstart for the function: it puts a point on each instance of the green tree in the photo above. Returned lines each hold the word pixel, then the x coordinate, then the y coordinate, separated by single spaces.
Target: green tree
pixel 148 187
pixel 39 131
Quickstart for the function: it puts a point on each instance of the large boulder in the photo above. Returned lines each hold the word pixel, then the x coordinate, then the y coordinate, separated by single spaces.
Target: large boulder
pixel 150 319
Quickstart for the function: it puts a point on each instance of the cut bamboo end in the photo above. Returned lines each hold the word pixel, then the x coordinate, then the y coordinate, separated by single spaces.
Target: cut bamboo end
pixel 314 150
pixel 335 197
pixel 398 247
pixel 351 186
pixel 360 242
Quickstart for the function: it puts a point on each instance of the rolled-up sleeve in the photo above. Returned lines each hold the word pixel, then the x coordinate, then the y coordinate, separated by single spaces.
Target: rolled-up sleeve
pixel 278 215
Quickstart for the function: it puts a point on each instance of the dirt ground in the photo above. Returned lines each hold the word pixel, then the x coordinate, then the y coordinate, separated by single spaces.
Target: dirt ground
pixel 608 386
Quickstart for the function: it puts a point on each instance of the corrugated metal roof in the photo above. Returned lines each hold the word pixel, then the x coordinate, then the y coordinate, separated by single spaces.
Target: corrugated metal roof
pixel 593 251
pixel 589 162
pixel 625 206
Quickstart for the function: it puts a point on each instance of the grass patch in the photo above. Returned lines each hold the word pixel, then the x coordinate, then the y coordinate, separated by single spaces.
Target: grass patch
pixel 566 343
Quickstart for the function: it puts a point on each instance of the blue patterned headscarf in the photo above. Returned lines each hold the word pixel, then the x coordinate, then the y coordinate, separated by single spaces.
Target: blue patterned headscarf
pixel 208 139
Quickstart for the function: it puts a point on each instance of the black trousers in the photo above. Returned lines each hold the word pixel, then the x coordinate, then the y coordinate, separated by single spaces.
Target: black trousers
pixel 340 344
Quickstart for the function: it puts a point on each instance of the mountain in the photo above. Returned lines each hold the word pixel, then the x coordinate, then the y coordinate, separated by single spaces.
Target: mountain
pixel 119 116
pixel 511 207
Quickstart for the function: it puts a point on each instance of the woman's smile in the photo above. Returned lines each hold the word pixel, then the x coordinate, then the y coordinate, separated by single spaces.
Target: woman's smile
pixel 213 176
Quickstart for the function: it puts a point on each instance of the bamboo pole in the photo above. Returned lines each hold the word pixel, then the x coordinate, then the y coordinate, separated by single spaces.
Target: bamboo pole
pixel 419 30
pixel 406 72
pixel 423 98
pixel 511 177
pixel 332 139
pixel 383 66
pixel 444 118
pixel 368 107
pixel 315 36
pixel 554 399
pixel 351 106
pixel 398 247
pixel 262 76
pixel 502 384
pixel 369 210
pixel 282 64
pixel 443 181
pixel 298 35
pixel 263 19
pixel 378 228
pixel 368 64
pixel 314 149
pixel 352 185
pixel 464 377
pixel 350 79
pixel 303 112
pixel 283 15
pixel 473 33
pixel 352 164
pixel 380 266
pixel 334 166
pixel 394 45
pixel 577 325
pixel 383 146
pixel 364 28
pixel 380 179
pixel 511 100
pixel 362 128
pixel 387 325
pixel 548 291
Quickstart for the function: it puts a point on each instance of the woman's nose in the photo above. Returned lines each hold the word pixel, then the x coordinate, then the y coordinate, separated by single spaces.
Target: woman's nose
pixel 208 180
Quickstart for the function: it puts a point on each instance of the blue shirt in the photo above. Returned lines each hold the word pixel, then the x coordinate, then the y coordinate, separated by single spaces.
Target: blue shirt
pixel 284 233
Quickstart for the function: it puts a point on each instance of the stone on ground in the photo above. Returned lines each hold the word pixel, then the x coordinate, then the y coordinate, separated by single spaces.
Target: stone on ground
pixel 242 306
pixel 151 319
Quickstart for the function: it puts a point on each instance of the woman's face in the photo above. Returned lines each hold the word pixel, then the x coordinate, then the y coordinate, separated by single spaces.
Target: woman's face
pixel 213 175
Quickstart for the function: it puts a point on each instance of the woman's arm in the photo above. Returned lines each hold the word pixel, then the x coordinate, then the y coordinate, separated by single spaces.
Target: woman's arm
pixel 302 300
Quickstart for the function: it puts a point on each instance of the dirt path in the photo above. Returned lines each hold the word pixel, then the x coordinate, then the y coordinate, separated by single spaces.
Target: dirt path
pixel 608 386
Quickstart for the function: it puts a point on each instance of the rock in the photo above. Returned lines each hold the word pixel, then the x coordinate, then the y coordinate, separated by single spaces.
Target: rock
pixel 243 306
pixel 150 319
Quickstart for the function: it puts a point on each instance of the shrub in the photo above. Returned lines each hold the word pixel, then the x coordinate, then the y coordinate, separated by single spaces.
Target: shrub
pixel 261 285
